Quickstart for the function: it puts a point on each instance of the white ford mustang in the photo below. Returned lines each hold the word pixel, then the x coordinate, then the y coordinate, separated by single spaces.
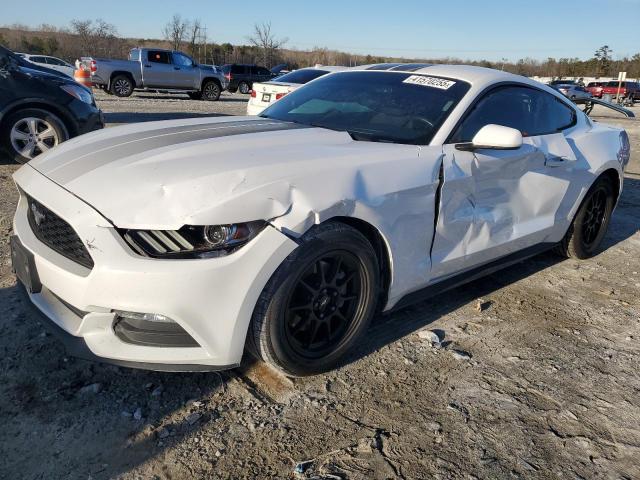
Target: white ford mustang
pixel 172 245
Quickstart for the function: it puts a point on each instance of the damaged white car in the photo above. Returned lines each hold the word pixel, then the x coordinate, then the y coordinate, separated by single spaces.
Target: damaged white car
pixel 172 245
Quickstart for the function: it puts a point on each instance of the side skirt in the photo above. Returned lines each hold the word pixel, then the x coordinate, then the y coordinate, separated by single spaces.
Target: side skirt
pixel 471 275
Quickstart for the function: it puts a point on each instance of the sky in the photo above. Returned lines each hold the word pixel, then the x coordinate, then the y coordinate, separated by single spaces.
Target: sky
pixel 406 28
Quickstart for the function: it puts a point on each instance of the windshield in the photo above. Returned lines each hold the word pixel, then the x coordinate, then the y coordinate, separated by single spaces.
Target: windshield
pixel 373 106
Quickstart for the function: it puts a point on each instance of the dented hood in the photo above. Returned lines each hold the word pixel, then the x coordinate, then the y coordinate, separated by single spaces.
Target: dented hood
pixel 197 171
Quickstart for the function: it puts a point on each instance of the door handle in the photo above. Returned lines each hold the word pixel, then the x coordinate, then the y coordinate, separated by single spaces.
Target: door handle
pixel 555 161
pixel 147 66
pixel 176 68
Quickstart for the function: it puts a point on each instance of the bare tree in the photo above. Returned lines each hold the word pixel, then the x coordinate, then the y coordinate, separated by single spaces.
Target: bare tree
pixel 175 31
pixel 84 30
pixel 264 39
pixel 195 30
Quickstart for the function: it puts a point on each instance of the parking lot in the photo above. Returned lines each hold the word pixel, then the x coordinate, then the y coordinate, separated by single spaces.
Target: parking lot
pixel 537 377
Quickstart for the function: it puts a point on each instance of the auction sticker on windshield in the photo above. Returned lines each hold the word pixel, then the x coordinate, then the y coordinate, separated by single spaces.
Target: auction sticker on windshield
pixel 425 81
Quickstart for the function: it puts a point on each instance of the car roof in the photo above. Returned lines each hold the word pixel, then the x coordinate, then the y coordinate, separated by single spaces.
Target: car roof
pixel 468 73
pixel 328 68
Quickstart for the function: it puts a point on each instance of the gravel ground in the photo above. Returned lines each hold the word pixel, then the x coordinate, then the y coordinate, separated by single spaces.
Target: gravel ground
pixel 536 377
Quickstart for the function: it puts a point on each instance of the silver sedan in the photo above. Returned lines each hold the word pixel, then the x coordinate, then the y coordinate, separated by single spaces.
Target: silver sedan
pixel 574 92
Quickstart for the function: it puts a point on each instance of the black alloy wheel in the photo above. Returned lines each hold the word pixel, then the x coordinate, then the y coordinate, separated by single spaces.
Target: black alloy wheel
pixel 323 304
pixel 590 224
pixel 318 303
pixel 595 216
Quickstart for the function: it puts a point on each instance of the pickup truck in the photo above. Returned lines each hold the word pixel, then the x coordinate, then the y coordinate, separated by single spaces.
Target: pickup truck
pixel 157 69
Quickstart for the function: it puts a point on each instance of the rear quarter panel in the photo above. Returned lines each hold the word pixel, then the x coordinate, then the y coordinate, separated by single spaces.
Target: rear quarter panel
pixel 598 149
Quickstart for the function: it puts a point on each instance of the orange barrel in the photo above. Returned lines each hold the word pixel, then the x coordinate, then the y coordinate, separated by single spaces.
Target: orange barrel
pixel 83 77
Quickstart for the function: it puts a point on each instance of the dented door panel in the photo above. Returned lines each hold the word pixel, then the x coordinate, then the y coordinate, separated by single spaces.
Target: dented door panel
pixel 495 202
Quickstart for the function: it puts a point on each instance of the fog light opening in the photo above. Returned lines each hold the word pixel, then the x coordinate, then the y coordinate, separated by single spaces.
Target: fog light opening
pixel 148 317
pixel 151 330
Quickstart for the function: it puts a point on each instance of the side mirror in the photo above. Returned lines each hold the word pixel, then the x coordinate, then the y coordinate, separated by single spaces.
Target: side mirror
pixel 495 137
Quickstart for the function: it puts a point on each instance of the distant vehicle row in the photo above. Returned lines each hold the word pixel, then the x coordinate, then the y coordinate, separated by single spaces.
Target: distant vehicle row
pixel 627 89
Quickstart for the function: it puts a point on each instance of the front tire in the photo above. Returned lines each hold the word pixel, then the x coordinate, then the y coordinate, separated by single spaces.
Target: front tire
pixel 121 86
pixel 27 133
pixel 590 223
pixel 318 302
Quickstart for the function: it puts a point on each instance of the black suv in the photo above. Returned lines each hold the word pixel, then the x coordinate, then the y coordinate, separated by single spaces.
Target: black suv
pixel 40 109
pixel 242 77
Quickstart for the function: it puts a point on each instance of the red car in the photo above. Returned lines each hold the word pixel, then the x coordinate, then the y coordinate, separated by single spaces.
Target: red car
pixel 595 89
pixel 627 89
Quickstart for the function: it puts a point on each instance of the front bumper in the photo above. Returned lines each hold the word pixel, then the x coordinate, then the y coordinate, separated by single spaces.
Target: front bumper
pixel 211 299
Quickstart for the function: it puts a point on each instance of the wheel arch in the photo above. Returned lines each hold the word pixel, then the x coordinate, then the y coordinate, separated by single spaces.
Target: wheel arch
pixel 380 246
pixel 67 120
pixel 207 79
pixel 122 72
pixel 614 177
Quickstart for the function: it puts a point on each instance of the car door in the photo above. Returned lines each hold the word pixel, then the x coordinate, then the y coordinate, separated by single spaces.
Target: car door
pixel 496 202
pixel 157 69
pixel 186 74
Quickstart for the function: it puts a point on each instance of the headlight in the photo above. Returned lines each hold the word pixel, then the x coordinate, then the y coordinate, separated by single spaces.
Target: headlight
pixel 79 92
pixel 192 241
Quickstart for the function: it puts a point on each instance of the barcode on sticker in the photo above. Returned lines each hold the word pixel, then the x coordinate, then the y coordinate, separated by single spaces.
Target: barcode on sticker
pixel 434 82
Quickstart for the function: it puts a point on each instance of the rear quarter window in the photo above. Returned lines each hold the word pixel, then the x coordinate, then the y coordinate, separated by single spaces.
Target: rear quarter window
pixel 155 56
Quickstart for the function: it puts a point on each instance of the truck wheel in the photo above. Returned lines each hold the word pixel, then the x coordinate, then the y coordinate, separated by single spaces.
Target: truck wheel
pixel 210 91
pixel 25 134
pixel 244 88
pixel 121 86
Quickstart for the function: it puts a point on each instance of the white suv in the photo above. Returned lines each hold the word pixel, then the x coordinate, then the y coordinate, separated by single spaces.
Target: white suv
pixel 50 62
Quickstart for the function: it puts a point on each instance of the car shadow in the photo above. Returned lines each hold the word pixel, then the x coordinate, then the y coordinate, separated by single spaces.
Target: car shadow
pixel 224 97
pixel 6 160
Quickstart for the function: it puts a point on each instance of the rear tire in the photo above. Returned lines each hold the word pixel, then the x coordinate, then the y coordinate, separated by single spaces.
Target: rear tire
pixel 244 88
pixel 590 224
pixel 27 133
pixel 210 91
pixel 317 304
pixel 121 86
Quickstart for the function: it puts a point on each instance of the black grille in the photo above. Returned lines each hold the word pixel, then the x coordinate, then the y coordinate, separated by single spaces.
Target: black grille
pixel 57 234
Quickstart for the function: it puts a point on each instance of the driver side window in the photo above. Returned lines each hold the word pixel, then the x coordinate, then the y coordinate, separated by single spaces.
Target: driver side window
pixel 182 60
pixel 531 111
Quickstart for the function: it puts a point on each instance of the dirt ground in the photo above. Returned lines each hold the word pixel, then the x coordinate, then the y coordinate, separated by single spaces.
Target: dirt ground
pixel 542 381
